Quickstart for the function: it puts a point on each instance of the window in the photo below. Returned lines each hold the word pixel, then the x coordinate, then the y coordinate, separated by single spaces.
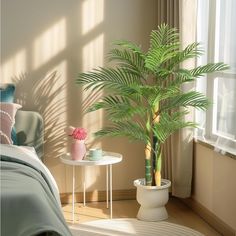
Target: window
pixel 216 30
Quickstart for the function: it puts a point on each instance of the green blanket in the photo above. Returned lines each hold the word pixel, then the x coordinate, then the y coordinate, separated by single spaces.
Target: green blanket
pixel 28 206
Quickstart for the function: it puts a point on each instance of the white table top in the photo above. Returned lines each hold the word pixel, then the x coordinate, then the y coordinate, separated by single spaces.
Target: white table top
pixel 108 158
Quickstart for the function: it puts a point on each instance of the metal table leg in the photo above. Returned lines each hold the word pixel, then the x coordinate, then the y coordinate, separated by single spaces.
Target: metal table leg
pixel 107 185
pixel 84 186
pixel 110 191
pixel 73 195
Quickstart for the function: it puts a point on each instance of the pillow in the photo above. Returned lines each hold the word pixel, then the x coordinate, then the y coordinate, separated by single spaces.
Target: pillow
pixel 7 92
pixel 7 116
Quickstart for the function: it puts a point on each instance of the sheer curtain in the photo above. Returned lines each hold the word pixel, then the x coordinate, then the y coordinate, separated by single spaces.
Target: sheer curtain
pixel 217 32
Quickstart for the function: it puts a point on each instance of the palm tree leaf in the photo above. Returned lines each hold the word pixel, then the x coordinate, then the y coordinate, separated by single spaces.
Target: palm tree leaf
pixel 118 108
pixel 154 94
pixel 132 130
pixel 159 55
pixel 193 50
pixel 169 124
pixel 129 45
pixel 189 99
pixel 129 60
pixel 209 68
pixel 113 78
pixel 164 35
pixel 181 76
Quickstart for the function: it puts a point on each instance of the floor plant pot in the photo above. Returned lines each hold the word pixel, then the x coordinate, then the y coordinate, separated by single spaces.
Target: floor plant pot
pixel 152 200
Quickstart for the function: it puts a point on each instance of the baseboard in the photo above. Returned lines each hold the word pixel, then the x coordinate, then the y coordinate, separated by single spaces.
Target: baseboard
pixel 209 217
pixel 98 196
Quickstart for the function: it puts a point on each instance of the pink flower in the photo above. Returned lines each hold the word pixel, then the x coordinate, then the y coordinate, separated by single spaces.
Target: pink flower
pixel 79 133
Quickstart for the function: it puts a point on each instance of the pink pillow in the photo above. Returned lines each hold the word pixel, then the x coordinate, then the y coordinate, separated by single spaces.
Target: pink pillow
pixel 7 115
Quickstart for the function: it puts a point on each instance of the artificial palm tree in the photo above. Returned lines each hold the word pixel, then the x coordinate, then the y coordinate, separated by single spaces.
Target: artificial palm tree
pixel 145 87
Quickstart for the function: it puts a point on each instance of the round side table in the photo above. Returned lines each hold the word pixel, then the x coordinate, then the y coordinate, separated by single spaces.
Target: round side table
pixel 108 159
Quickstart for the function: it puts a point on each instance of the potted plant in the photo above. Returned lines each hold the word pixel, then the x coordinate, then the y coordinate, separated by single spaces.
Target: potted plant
pixel 143 101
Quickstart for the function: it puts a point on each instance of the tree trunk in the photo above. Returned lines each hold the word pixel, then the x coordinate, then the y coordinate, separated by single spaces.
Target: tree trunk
pixel 148 165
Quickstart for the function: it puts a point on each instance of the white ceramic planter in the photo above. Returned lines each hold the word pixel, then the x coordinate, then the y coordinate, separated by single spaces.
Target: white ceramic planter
pixel 152 200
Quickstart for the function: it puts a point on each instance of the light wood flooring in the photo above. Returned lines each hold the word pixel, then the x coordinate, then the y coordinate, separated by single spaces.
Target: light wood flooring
pixel 178 212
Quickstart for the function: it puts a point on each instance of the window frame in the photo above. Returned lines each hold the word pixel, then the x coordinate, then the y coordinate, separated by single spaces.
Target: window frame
pixel 209 132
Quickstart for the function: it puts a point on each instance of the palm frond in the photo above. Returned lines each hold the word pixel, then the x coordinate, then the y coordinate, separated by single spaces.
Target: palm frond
pixel 132 130
pixel 209 68
pixel 129 45
pixel 159 55
pixel 189 99
pixel 113 78
pixel 118 108
pixel 154 94
pixel 131 61
pixel 193 50
pixel 181 76
pixel 169 124
pixel 164 35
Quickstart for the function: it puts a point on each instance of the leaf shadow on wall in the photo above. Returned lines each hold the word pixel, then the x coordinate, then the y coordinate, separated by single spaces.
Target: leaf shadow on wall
pixel 47 96
pixel 90 98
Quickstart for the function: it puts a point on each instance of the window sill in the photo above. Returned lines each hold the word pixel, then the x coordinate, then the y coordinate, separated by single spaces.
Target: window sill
pixel 210 145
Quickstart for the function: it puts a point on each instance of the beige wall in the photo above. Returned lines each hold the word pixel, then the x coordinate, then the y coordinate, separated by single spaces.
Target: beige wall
pixel 215 183
pixel 44 45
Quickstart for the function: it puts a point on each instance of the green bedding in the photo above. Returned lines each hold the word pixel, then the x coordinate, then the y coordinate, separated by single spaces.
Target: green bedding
pixel 28 205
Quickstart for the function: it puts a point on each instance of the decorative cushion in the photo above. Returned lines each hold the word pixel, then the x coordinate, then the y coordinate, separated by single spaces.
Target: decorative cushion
pixel 30 130
pixel 7 92
pixel 7 115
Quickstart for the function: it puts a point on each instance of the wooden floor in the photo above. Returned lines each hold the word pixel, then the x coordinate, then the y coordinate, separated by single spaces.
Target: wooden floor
pixel 178 212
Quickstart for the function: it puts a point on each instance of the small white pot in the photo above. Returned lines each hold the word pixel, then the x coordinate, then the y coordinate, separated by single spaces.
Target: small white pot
pixel 152 200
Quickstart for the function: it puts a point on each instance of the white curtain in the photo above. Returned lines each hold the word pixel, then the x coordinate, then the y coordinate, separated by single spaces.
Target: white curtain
pixel 217 32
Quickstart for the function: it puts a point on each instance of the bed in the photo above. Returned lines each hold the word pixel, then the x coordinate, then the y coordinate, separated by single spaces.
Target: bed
pixel 30 203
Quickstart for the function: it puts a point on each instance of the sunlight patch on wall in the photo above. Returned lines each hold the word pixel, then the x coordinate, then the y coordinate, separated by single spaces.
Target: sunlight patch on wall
pixel 92 14
pixel 93 53
pixel 49 43
pixel 15 66
pixel 92 57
